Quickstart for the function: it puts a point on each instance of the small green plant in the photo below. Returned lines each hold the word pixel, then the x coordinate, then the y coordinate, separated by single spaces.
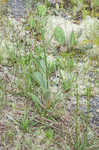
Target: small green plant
pixel 52 67
pixel 25 122
pixel 49 133
pixel 31 22
pixel 41 10
pixel 67 81
pixel 81 144
pixel 59 35
pixel 67 84
pixel 61 39
pixel 41 78
pixel 3 96
pixel 70 64
pixel 72 43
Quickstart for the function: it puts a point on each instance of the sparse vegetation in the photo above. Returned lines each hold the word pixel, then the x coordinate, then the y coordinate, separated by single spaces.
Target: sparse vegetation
pixel 42 87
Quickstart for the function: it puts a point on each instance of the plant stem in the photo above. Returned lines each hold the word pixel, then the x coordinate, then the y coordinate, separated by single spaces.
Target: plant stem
pixel 76 111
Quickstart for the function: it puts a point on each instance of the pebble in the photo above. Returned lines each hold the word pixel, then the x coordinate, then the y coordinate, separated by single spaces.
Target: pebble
pixel 97 110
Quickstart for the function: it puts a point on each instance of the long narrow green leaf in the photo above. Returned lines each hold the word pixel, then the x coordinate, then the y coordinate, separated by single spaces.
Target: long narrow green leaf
pixel 36 100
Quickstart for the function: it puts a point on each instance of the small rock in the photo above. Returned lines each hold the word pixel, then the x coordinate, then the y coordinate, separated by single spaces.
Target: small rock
pixel 97 110
pixel 1 148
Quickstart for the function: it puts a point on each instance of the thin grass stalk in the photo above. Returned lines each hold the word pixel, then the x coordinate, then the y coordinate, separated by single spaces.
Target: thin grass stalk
pixel 76 119
pixel 87 119
pixel 45 58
